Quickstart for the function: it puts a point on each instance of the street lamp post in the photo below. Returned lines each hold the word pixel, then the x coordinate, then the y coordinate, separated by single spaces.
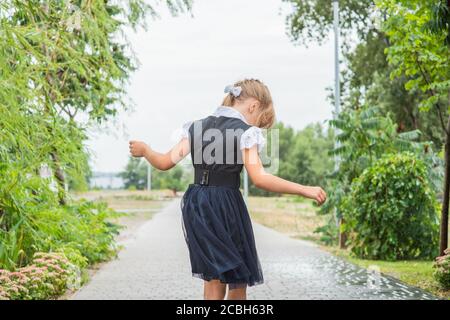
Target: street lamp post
pixel 337 100
pixel 337 89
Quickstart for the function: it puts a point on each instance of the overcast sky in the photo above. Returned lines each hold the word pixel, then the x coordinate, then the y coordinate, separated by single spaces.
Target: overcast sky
pixel 186 61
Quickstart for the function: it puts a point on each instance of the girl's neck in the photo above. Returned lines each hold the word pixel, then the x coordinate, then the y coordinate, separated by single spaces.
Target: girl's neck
pixel 242 109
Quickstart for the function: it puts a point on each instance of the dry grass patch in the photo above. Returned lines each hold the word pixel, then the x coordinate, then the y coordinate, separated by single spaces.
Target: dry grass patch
pixel 290 215
pixel 137 206
pixel 127 201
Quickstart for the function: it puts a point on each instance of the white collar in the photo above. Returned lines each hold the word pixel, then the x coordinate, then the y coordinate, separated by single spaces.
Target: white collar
pixel 229 112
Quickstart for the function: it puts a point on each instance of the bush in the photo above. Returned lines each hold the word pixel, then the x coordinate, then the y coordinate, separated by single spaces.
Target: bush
pixel 328 232
pixel 47 277
pixel 77 234
pixel 80 227
pixel 442 273
pixel 32 220
pixel 391 211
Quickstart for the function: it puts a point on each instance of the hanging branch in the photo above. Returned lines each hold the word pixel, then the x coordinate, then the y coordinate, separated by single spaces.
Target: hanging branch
pixel 431 91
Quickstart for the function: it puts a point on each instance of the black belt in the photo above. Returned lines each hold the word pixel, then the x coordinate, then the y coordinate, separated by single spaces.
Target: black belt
pixel 207 177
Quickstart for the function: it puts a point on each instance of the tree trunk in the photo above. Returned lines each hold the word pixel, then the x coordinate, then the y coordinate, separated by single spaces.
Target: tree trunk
pixel 342 236
pixel 59 176
pixel 445 203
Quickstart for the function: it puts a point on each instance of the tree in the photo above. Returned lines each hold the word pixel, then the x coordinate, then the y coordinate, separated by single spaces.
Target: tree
pixel 77 62
pixel 419 33
pixel 63 67
pixel 312 20
pixel 174 179
pixel 370 84
pixel 135 174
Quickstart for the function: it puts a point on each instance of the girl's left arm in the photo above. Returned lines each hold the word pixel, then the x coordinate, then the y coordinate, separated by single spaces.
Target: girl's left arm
pixel 266 181
pixel 161 161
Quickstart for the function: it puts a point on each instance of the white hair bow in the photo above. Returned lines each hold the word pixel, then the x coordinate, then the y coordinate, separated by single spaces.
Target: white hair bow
pixel 235 91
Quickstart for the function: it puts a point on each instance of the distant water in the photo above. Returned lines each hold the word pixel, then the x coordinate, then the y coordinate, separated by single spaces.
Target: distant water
pixel 106 180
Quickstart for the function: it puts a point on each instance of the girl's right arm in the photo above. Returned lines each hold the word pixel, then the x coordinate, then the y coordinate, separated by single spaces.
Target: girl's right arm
pixel 161 161
pixel 263 180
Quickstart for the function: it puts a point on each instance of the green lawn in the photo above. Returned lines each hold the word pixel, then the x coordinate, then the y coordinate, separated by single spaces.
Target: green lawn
pixel 413 272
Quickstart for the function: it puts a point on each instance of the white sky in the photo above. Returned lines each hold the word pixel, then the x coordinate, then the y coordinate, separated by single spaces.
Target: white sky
pixel 186 62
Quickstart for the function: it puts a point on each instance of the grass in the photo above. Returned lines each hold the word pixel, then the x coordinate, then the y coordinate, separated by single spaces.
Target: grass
pixel 297 218
pixel 290 215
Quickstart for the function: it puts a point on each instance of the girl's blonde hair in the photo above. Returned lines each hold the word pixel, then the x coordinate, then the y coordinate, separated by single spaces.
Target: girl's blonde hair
pixel 253 88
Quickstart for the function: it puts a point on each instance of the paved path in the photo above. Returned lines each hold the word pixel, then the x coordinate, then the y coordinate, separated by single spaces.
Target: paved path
pixel 155 265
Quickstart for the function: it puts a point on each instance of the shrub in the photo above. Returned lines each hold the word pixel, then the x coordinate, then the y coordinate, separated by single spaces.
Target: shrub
pixel 47 277
pixel 328 232
pixel 79 228
pixel 86 229
pixel 391 211
pixel 442 272
pixel 31 221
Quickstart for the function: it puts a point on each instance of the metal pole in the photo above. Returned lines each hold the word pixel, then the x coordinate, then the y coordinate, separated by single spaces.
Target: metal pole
pixel 337 89
pixel 337 104
pixel 149 177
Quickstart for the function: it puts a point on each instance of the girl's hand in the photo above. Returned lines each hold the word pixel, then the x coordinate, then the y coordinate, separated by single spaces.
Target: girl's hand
pixel 138 148
pixel 317 194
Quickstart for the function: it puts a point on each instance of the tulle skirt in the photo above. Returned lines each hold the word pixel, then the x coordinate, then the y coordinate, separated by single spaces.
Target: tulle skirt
pixel 219 235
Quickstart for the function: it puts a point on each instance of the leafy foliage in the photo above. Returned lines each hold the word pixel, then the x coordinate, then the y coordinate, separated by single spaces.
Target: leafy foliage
pixel 63 68
pixel 328 232
pixel 406 43
pixel 38 227
pixel 365 136
pixel 176 179
pixel 313 19
pixel 440 19
pixel 371 84
pixel 391 210
pixel 416 52
pixel 419 32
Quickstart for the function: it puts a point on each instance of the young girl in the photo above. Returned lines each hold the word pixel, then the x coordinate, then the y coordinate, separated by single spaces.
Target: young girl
pixel 216 223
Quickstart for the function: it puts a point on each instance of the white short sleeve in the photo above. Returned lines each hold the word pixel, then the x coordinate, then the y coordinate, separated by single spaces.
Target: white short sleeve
pixel 252 136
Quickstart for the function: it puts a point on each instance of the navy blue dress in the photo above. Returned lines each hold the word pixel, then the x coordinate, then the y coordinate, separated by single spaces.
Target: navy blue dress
pixel 216 224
